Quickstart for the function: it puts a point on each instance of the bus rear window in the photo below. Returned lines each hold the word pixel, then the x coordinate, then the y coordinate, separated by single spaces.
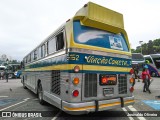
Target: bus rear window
pixel 96 37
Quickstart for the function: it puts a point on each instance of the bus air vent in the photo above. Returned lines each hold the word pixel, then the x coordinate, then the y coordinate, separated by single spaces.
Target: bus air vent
pixel 122 86
pixel 90 85
pixel 55 82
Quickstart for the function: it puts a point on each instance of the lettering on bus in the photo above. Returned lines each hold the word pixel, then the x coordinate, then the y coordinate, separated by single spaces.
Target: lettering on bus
pixel 100 60
pixel 73 57
pixel 103 60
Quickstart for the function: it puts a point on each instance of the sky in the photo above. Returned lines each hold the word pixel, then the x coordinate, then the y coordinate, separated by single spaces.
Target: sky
pixel 24 24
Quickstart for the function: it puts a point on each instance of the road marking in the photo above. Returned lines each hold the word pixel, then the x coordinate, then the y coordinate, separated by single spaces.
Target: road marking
pixel 55 117
pixel 3 96
pixel 133 109
pixel 15 104
pixel 155 104
pixel 125 110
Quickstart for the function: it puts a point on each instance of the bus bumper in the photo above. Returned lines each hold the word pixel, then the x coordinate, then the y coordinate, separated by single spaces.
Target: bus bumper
pixel 93 106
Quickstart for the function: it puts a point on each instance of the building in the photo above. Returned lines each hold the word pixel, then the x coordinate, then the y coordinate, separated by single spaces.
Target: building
pixel 4 57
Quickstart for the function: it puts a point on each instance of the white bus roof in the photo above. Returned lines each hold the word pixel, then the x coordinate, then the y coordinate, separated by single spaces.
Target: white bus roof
pixel 2 66
pixel 152 55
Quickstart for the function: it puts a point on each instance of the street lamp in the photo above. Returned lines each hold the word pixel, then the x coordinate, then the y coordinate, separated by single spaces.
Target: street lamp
pixel 140 42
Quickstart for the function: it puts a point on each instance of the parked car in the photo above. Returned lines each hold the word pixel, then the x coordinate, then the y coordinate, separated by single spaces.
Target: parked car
pixel 18 74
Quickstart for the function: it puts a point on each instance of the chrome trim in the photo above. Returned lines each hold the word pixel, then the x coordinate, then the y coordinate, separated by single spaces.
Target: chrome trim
pixel 58 53
pixel 91 106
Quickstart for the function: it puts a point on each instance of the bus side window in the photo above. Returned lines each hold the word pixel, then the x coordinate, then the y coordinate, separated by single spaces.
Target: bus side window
pixel 39 53
pixel 32 56
pixel 35 55
pixel 29 58
pixel 43 50
pixel 149 59
pixel 51 45
pixel 60 41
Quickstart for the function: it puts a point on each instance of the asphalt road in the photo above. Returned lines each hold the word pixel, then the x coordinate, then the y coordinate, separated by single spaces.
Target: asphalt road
pixel 14 98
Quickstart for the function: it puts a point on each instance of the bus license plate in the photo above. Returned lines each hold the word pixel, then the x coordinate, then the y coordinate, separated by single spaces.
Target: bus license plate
pixel 108 91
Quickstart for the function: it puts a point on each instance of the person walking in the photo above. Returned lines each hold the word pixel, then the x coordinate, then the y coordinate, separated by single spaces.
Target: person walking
pixel 146 79
pixel 136 71
pixel 6 76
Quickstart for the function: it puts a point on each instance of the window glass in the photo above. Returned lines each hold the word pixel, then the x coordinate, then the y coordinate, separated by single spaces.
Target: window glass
pixel 43 50
pixel 39 53
pixel 149 59
pixel 35 55
pixel 99 38
pixel 51 45
pixel 24 60
pixel 137 57
pixel 156 59
pixel 32 56
pixel 60 41
pixel 29 58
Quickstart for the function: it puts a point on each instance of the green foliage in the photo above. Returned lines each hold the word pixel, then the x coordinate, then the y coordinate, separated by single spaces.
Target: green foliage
pixel 152 47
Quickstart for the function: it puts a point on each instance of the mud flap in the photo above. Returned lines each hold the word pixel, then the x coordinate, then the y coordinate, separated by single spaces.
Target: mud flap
pixel 97 105
pixel 122 102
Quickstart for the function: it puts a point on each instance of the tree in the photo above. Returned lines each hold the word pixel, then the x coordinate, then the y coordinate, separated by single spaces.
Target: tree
pixel 150 47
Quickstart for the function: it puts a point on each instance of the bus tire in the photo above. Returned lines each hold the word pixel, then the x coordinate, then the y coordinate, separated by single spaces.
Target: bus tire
pixel 40 94
pixel 24 86
pixel 20 76
pixel 10 76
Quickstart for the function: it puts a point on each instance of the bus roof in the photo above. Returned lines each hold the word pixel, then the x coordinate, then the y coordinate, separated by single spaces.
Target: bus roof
pixel 93 12
pixel 97 16
pixel 152 55
pixel 2 66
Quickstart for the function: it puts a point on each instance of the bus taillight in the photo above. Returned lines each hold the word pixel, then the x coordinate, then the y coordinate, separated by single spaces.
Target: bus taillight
pixel 76 81
pixel 76 68
pixel 131 71
pixel 75 93
pixel 131 89
pixel 131 80
pixel 104 80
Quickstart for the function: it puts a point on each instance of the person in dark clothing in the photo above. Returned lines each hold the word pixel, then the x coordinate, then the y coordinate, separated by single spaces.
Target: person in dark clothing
pixel 6 73
pixel 136 71
pixel 132 72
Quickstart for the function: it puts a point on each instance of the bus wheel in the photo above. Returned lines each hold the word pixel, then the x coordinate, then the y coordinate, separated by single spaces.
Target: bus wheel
pixel 10 76
pixel 24 85
pixel 40 94
pixel 20 76
pixel 153 74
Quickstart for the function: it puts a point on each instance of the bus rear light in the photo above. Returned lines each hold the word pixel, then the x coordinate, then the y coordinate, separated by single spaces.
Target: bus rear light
pixel 104 80
pixel 131 89
pixel 75 93
pixel 76 81
pixel 131 71
pixel 76 68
